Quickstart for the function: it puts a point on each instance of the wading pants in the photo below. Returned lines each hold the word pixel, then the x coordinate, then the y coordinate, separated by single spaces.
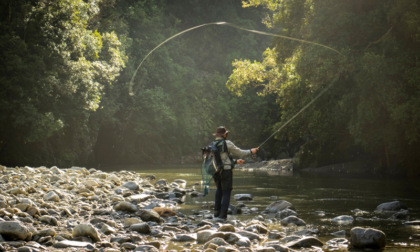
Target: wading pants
pixel 223 183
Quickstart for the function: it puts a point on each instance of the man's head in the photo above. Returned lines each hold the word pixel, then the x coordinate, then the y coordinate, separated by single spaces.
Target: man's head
pixel 221 132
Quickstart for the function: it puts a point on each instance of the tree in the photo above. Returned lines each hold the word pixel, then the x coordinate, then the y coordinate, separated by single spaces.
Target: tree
pixel 370 108
pixel 52 79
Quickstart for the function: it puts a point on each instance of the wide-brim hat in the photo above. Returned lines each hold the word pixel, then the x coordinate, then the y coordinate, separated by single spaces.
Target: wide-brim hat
pixel 220 131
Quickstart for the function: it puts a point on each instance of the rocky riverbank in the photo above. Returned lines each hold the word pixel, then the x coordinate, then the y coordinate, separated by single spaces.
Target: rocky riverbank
pixel 80 209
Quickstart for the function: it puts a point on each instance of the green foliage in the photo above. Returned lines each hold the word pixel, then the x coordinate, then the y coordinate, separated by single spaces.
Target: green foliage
pixel 371 110
pixel 52 79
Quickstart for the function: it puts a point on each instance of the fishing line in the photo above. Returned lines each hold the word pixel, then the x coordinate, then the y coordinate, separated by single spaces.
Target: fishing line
pixel 297 114
pixel 131 91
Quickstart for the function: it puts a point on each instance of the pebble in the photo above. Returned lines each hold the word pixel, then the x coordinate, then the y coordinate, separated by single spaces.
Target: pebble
pixel 80 209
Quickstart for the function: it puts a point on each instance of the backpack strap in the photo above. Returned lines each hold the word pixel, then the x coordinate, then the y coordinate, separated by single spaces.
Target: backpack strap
pixel 224 148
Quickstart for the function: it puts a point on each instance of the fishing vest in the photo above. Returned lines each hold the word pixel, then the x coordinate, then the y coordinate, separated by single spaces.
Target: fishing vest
pixel 226 160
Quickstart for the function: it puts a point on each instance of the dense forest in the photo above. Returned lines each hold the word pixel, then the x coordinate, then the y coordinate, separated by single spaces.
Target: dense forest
pixel 69 95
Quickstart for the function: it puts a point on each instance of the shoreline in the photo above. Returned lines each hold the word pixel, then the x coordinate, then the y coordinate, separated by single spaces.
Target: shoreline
pixel 90 210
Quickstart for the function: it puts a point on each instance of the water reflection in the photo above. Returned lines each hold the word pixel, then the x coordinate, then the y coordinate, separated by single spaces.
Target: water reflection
pixel 317 199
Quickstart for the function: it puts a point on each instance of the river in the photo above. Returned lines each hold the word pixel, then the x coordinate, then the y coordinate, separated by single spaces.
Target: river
pixel 317 199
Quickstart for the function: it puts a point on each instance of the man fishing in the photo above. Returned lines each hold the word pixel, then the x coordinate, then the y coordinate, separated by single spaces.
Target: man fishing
pixel 224 178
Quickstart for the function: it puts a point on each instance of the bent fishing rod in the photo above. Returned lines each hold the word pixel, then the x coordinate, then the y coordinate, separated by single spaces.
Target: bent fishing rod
pixel 297 114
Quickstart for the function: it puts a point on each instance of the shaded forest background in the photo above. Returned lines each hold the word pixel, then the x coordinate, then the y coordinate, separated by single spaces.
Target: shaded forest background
pixel 67 64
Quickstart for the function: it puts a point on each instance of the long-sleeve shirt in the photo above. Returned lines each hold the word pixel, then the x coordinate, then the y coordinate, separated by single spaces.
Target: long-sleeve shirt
pixel 234 151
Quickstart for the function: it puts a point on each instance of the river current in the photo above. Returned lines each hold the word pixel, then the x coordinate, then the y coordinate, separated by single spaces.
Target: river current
pixel 317 199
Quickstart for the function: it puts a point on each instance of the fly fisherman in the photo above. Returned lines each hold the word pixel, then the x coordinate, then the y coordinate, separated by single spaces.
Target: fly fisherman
pixel 223 179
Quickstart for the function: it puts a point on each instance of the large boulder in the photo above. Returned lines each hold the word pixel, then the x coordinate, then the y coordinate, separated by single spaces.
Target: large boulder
pixel 367 238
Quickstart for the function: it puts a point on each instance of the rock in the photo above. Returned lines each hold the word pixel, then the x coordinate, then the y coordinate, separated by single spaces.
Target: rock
pixel 343 219
pixel 14 230
pixel 216 241
pixel 279 206
pixel 106 229
pixel 305 242
pixel 412 223
pixel 138 198
pixel 51 196
pixel 227 228
pixel 142 228
pixel 125 207
pixel 86 230
pixel 367 238
pixel 185 237
pixel 257 228
pixel 149 215
pixel 17 191
pixel 72 244
pixel 161 182
pixel 293 220
pixel 132 185
pixel 286 213
pixel 204 236
pixel 243 197
pixel 393 206
pixel 250 235
pixel 164 212
pixel 146 248
pixel 130 221
pixel 50 220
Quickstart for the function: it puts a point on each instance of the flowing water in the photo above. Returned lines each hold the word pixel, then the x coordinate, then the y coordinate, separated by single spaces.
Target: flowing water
pixel 317 199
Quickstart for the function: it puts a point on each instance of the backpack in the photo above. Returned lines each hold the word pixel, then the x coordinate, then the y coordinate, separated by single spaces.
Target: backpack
pixel 212 162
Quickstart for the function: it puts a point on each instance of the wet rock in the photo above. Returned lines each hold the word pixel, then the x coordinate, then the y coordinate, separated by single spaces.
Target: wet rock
pixel 125 207
pixel 412 223
pixel 86 230
pixel 250 235
pixel 257 228
pixel 161 182
pixel 286 213
pixel 13 230
pixel 305 242
pixel 292 220
pixel 142 228
pixel 279 206
pixel 242 197
pixel 343 219
pixel 367 238
pixel 393 206
pixel 275 235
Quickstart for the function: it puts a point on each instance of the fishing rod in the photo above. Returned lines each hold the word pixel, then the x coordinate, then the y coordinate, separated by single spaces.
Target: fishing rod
pixel 132 92
pixel 297 114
